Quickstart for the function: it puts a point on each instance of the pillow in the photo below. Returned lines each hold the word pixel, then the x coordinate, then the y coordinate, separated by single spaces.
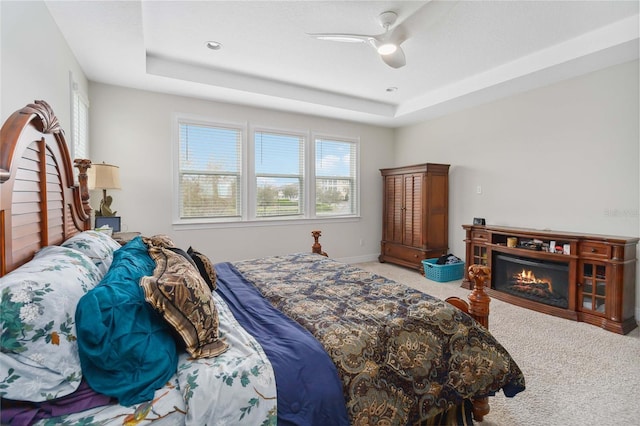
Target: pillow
pixel 178 292
pixel 183 254
pixel 159 240
pixel 205 266
pixel 39 356
pixel 98 246
pixel 126 349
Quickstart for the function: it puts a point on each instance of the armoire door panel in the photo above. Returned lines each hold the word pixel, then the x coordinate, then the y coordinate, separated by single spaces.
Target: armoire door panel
pixel 394 201
pixel 438 193
pixel 438 234
pixel 413 213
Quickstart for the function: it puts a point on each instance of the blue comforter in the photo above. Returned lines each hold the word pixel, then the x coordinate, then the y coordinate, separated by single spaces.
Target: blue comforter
pixel 309 389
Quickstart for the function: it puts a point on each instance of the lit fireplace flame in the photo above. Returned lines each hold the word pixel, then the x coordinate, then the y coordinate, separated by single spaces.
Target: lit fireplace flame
pixel 528 278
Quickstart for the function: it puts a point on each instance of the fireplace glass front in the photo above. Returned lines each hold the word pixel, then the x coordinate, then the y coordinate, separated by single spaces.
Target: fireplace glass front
pixel 541 281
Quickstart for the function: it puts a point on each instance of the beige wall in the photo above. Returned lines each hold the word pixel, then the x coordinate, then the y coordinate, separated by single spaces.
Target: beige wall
pixel 133 129
pixel 563 157
pixel 35 61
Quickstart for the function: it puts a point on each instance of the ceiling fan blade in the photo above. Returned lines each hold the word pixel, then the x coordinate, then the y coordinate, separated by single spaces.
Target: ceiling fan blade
pixel 345 38
pixel 431 14
pixel 395 59
pixel 379 42
pixel 398 35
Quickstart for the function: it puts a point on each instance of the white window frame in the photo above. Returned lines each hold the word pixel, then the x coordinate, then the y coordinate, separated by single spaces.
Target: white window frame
pixel 253 205
pixel 356 143
pixel 200 121
pixel 248 177
pixel 79 105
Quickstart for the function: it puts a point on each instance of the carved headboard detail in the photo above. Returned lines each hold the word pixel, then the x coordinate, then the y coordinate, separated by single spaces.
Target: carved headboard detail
pixel 40 204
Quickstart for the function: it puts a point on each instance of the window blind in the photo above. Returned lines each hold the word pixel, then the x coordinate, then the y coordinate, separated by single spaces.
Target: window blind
pixel 223 175
pixel 210 171
pixel 336 177
pixel 80 126
pixel 279 171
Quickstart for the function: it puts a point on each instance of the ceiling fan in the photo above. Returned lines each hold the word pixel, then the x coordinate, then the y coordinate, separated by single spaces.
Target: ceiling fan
pixel 386 44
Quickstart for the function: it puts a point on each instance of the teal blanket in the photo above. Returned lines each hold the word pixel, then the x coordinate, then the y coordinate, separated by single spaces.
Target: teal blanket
pixel 127 350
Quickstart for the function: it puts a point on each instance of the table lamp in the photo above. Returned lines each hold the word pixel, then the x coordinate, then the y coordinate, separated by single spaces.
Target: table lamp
pixel 104 176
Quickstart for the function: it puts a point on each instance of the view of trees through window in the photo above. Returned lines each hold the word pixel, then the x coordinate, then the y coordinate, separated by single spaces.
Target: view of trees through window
pixel 277 197
pixel 209 196
pixel 211 184
pixel 279 167
pixel 336 183
pixel 332 198
pixel 210 171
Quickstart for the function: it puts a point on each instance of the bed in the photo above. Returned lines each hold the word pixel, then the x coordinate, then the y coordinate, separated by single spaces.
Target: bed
pixel 98 333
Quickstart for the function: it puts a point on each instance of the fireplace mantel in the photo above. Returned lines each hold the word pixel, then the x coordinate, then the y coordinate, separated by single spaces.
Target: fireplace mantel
pixel 601 278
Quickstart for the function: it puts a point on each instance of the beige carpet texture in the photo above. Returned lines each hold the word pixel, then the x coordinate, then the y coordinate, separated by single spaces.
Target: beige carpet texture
pixel 576 373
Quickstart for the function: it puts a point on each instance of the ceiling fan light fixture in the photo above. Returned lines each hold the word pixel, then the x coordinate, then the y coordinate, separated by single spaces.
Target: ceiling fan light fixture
pixel 387 45
pixel 387 48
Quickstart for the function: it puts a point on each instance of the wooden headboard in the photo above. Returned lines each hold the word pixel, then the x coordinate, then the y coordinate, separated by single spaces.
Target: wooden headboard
pixel 40 204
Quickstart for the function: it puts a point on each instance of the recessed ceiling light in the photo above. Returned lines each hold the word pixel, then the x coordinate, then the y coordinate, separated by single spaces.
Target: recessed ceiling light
pixel 214 45
pixel 391 89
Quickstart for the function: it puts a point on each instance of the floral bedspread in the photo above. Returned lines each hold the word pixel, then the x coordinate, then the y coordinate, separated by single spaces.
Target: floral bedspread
pixel 41 376
pixel 234 388
pixel 237 387
pixel 403 356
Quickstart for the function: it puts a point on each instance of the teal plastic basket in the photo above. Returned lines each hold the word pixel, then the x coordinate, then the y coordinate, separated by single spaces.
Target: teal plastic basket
pixel 442 273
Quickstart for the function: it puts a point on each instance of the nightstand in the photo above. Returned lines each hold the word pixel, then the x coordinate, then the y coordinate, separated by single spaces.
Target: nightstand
pixel 124 237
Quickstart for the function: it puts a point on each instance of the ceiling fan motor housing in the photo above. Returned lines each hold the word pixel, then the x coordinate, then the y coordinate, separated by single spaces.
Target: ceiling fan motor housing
pixel 387 19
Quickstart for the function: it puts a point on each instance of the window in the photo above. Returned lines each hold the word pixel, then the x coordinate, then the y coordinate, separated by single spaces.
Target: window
pixel 209 171
pixel 336 180
pixel 279 170
pixel 79 124
pixel 225 176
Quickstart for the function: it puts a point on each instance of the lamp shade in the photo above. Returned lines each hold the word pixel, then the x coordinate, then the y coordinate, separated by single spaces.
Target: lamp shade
pixel 103 176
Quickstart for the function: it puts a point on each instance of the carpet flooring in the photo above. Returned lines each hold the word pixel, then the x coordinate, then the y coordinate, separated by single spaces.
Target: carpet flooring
pixel 576 373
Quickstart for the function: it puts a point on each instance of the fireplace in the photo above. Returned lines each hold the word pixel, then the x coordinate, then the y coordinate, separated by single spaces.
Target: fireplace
pixel 581 277
pixel 538 280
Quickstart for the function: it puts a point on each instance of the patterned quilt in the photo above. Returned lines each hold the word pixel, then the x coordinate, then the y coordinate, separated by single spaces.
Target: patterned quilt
pixel 403 356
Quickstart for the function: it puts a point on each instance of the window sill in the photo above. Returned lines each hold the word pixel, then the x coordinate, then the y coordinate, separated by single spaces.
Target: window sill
pixel 204 224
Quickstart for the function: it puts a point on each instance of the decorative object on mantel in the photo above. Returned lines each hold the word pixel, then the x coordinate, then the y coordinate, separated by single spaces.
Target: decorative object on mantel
pixel 104 176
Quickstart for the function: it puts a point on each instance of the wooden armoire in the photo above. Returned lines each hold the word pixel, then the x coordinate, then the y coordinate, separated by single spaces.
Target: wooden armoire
pixel 415 214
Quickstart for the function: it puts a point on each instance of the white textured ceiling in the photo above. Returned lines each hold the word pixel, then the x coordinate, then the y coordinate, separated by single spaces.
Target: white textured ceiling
pixel 459 53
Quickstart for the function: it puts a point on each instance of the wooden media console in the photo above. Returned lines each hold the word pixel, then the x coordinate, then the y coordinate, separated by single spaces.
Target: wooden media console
pixel 583 277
